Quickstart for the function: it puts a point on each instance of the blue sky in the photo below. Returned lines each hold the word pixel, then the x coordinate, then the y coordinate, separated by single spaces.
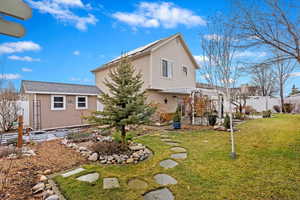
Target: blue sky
pixel 66 39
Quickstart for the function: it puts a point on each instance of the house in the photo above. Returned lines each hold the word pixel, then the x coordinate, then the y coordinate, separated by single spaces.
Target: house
pixel 53 105
pixel 168 71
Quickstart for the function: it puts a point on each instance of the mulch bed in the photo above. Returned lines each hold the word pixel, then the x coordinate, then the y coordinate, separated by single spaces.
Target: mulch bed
pixel 24 173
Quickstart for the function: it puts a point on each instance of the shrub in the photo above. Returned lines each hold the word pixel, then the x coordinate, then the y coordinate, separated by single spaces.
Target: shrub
pixel 288 107
pixel 117 137
pixel 79 136
pixel 226 123
pixel 249 110
pixel 239 115
pixel 109 148
pixel 212 119
pixel 277 108
pixel 166 117
pixel 266 114
pixel 177 117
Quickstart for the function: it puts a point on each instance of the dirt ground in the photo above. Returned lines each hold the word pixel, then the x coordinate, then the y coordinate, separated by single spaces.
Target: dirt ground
pixel 24 172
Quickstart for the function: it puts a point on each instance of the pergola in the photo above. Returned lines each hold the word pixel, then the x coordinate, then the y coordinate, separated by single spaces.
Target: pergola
pixel 17 9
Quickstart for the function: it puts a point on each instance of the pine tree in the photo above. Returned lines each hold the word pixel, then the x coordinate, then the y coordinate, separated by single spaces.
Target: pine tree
pixel 125 103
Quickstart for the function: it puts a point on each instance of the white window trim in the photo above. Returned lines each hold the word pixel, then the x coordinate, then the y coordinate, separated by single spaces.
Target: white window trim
pixel 171 69
pixel 52 102
pixel 86 103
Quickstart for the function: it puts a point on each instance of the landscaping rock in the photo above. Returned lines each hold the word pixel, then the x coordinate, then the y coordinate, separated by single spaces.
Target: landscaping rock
pixel 38 188
pixel 52 197
pixel 160 194
pixel 72 172
pixel 93 157
pixel 172 143
pixel 136 148
pixel 47 172
pixel 129 160
pixel 168 163
pixel 89 177
pixel 43 178
pixel 164 179
pixel 110 183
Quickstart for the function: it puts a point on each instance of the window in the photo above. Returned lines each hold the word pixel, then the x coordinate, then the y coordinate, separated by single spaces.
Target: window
pixel 167 68
pixel 185 70
pixel 58 103
pixel 81 102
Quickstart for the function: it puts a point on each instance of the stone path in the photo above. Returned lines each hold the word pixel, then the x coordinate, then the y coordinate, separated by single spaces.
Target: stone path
pixel 137 184
pixel 89 177
pixel 165 179
pixel 162 179
pixel 160 194
pixel 110 183
pixel 72 172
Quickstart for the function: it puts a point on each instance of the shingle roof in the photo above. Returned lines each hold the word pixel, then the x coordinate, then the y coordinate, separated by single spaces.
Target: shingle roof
pixel 58 88
pixel 137 51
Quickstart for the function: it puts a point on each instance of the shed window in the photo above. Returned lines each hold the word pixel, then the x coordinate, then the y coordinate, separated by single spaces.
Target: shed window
pixel 58 102
pixel 81 102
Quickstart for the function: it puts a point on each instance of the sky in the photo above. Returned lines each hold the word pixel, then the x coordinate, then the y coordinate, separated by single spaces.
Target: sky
pixel 65 39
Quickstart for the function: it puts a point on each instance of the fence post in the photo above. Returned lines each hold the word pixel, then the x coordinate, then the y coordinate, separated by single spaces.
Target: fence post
pixel 20 132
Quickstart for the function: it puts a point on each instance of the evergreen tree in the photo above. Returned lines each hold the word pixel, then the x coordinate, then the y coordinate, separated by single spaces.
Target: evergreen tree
pixel 125 103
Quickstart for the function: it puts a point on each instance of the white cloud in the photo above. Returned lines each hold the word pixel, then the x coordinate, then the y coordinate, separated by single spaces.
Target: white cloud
pixel 295 74
pixel 76 53
pixel 212 37
pixel 81 80
pixel 24 58
pixel 255 54
pixel 10 76
pixel 164 14
pixel 17 47
pixel 200 59
pixel 61 10
pixel 24 69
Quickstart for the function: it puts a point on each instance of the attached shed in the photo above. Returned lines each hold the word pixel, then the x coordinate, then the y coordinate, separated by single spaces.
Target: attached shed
pixel 57 105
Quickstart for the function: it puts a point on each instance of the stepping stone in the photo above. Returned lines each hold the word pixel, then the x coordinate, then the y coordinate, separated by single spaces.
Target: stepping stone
pixel 89 177
pixel 172 143
pixel 164 136
pixel 137 184
pixel 179 156
pixel 70 173
pixel 159 194
pixel 164 179
pixel 110 183
pixel 166 140
pixel 178 149
pixel 168 163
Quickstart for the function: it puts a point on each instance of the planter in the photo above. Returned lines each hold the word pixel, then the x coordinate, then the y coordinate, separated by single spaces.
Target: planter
pixel 177 125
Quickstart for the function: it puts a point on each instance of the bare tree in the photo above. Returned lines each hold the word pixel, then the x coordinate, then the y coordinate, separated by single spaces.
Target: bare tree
pixel 9 107
pixel 274 24
pixel 219 68
pixel 283 69
pixel 264 77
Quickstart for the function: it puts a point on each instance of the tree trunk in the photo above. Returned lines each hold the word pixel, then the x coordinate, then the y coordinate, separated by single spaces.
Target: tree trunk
pixel 281 97
pixel 233 153
pixel 123 135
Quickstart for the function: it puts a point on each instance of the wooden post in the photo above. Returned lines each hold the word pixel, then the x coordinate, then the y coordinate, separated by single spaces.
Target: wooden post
pixel 20 132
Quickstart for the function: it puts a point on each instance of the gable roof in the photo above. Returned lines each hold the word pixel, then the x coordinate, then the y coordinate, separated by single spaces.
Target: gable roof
pixel 39 87
pixel 144 50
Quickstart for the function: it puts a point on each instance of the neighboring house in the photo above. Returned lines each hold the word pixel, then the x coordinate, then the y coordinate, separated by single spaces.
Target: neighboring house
pixel 55 105
pixel 168 71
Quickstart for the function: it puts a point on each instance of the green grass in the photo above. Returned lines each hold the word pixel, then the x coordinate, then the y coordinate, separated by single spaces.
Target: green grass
pixel 268 165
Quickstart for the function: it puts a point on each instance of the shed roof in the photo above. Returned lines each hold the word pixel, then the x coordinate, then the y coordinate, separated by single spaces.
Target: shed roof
pixel 39 87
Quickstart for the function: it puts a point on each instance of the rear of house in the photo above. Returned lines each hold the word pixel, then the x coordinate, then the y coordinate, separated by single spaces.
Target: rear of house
pixel 57 105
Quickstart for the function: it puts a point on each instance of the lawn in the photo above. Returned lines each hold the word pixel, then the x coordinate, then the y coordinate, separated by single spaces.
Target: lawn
pixel 267 167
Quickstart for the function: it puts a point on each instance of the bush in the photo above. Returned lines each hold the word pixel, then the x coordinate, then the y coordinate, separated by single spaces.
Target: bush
pixel 266 114
pixel 166 117
pixel 239 115
pixel 212 119
pixel 226 123
pixel 79 136
pixel 177 117
pixel 249 110
pixel 109 148
pixel 277 108
pixel 288 107
pixel 117 136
